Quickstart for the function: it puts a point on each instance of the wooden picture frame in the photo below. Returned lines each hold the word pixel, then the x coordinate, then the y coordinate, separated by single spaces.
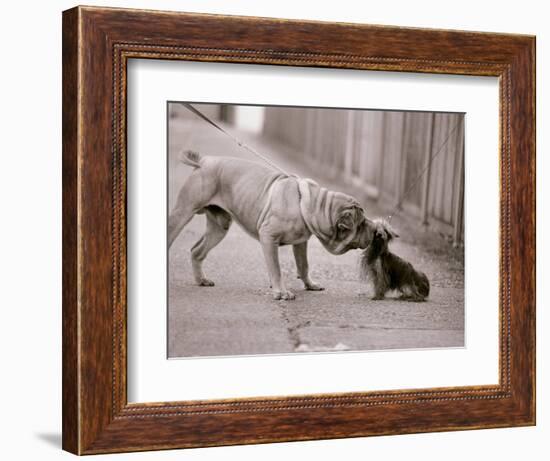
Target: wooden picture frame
pixel 97 43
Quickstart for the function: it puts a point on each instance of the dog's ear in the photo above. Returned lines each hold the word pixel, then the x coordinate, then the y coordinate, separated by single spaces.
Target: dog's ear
pixel 391 233
pixel 384 227
pixel 343 226
pixel 345 222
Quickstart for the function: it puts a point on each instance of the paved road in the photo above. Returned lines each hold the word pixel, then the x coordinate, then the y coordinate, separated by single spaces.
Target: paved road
pixel 238 316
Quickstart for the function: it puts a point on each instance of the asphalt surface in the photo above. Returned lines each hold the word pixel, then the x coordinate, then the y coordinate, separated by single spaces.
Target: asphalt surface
pixel 238 316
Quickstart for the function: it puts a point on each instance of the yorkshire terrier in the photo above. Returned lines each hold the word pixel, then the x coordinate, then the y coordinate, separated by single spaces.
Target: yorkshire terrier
pixel 387 271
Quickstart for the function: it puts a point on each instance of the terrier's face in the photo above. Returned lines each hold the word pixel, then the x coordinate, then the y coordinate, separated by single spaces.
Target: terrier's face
pixel 383 234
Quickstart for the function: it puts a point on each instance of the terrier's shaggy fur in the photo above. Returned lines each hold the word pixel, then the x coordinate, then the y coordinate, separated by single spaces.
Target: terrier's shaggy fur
pixel 387 271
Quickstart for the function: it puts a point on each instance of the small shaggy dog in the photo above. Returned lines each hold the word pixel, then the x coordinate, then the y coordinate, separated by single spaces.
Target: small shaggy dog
pixel 387 271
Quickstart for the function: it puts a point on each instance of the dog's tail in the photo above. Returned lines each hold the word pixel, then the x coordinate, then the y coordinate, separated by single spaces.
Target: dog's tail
pixel 191 158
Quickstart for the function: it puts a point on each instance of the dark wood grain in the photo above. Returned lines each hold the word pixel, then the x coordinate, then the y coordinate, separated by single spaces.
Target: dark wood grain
pixel 70 387
pixel 97 43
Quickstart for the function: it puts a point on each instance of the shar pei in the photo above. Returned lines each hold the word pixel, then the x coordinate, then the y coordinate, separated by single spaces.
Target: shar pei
pixel 274 208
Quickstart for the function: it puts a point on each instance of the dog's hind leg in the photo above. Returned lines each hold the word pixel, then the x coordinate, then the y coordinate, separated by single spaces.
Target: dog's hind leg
pixel 192 197
pixel 416 296
pixel 177 221
pixel 409 292
pixel 300 255
pixel 218 222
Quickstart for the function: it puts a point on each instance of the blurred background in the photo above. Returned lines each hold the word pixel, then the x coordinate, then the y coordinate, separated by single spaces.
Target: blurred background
pixel 410 160
pixel 409 164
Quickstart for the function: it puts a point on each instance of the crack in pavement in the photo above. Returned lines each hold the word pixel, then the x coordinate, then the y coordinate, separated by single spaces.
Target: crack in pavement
pixel 293 330
pixel 381 327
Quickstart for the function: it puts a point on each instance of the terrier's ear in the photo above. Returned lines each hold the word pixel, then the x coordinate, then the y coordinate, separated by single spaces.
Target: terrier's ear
pixel 384 230
pixel 392 233
pixel 388 234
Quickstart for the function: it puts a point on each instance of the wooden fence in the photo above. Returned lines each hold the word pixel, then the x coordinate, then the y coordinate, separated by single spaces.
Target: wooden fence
pixel 415 159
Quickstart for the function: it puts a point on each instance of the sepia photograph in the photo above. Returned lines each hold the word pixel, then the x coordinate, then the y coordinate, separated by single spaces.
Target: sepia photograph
pixel 313 230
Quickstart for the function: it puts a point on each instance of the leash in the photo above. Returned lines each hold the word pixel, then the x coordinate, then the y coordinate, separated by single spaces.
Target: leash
pixel 198 113
pixel 428 163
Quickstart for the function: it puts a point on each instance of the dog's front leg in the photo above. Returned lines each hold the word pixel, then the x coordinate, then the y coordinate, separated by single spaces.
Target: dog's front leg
pixel 271 254
pixel 300 255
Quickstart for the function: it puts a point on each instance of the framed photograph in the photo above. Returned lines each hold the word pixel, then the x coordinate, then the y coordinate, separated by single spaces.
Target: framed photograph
pixel 280 230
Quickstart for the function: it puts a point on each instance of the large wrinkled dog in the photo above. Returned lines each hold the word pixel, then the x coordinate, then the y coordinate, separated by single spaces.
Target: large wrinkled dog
pixel 272 207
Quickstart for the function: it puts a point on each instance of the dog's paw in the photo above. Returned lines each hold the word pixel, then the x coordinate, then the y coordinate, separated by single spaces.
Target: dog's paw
pixel 419 299
pixel 312 286
pixel 283 295
pixel 204 282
